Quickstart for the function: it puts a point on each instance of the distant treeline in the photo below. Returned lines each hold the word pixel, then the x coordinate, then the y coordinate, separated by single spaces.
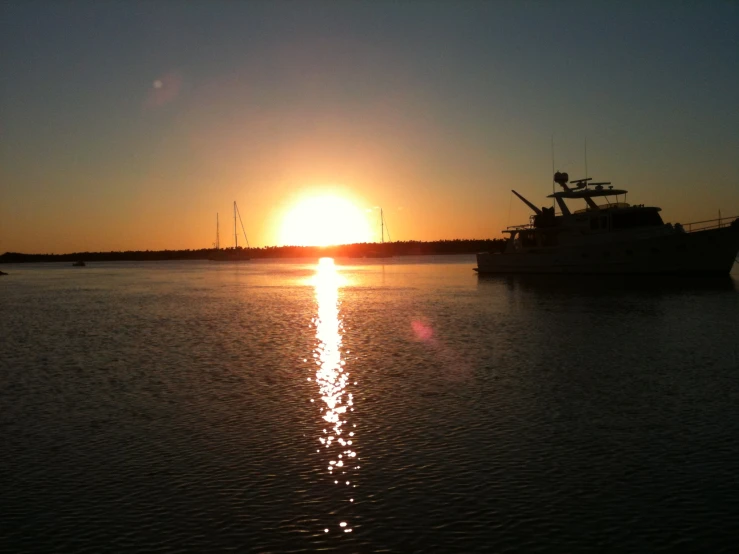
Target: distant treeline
pixel 361 250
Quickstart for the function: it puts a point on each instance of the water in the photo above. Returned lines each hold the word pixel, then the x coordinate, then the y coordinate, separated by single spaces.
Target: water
pixel 198 406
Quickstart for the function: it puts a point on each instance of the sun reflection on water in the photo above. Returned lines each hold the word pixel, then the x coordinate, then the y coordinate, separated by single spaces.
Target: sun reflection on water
pixel 332 379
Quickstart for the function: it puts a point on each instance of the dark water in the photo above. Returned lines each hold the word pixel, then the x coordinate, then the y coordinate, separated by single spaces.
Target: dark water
pixel 199 406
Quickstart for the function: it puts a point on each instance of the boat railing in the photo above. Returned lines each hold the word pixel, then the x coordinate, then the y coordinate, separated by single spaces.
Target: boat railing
pixel 717 223
pixel 511 228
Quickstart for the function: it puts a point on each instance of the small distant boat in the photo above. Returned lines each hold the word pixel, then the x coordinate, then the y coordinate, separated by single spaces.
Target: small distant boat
pixel 79 263
pixel 235 254
pixel 613 237
pixel 382 252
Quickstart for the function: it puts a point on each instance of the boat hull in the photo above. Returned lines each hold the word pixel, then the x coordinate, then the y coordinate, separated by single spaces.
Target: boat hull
pixel 710 252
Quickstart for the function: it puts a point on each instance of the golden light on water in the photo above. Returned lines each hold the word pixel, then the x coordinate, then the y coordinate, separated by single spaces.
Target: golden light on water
pixel 332 378
pixel 324 220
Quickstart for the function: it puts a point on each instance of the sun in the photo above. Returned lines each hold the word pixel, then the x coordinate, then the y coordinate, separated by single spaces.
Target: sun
pixel 322 221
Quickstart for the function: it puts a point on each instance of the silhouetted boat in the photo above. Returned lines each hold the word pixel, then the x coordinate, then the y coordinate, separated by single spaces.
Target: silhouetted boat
pixel 3 273
pixel 79 263
pixel 613 237
pixel 382 252
pixel 235 254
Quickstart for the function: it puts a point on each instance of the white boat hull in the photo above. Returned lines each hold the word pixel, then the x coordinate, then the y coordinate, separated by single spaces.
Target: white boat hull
pixel 710 252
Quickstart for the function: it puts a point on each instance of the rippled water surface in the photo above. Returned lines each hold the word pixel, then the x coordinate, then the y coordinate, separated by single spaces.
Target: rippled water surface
pixel 404 406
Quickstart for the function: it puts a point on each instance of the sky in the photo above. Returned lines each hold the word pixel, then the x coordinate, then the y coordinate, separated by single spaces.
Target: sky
pixel 129 125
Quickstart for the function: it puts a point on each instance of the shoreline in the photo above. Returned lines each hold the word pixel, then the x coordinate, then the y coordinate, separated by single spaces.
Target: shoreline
pixel 359 251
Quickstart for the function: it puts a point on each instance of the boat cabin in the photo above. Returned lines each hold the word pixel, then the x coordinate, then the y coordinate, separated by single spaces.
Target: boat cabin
pixel 546 228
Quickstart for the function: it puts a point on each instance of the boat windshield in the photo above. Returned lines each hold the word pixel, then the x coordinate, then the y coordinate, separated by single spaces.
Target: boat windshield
pixel 639 218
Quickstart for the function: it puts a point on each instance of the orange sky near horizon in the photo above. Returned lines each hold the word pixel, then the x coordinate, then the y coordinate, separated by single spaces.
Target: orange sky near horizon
pixel 420 201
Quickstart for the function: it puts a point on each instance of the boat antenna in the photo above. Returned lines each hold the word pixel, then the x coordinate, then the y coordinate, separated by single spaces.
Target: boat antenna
pixel 586 156
pixel 382 228
pixel 553 171
pixel 510 202
pixel 242 225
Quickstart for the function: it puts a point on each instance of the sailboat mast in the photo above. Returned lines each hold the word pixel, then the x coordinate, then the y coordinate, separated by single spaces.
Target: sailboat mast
pixel 242 225
pixel 218 233
pixel 382 227
pixel 236 236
